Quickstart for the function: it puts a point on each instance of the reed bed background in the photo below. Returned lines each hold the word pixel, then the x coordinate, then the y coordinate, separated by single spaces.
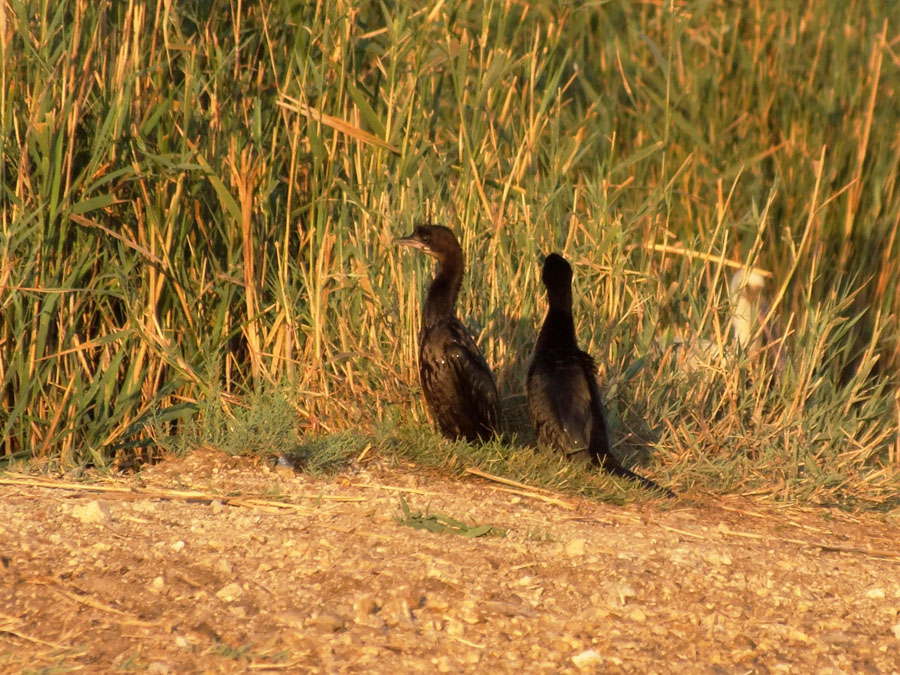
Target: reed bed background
pixel 199 202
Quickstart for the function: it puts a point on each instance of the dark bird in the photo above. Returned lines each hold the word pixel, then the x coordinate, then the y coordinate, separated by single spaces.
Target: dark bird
pixel 563 396
pixel 458 384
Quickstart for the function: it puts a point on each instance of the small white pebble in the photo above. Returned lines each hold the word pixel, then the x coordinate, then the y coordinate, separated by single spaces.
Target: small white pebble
pixel 637 615
pixel 798 635
pixel 178 546
pixel 224 566
pixel 717 558
pixel 92 512
pixel 587 659
pixel 455 628
pixel 575 548
pixel 230 592
pixel 620 593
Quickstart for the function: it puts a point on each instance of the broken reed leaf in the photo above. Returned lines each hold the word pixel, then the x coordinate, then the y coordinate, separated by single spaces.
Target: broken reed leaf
pixel 405 507
pixel 440 523
pixel 482 530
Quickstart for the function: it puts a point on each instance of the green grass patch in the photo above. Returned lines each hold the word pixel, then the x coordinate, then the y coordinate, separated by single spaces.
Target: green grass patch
pixel 437 522
pixel 523 464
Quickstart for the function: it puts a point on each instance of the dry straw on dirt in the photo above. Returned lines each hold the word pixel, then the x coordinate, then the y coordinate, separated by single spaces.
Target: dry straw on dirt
pixel 192 566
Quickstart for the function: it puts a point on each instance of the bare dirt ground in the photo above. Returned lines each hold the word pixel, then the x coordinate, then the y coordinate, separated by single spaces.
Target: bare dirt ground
pixel 138 577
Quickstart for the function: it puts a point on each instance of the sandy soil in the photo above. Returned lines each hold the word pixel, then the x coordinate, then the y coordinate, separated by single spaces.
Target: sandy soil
pixel 218 564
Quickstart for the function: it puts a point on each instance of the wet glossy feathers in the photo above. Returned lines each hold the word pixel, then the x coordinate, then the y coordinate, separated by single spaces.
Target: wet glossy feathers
pixel 459 387
pixel 457 382
pixel 564 399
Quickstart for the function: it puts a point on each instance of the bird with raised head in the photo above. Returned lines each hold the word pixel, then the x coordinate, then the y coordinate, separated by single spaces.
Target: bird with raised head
pixel 563 396
pixel 458 384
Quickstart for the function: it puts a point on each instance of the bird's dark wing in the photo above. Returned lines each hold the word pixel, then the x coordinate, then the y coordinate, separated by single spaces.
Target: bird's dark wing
pixel 458 384
pixel 599 440
pixel 559 400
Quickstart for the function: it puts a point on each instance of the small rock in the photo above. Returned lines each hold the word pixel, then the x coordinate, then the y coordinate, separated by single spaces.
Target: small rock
pixel 372 621
pixel 432 625
pixel 436 603
pixel 157 584
pixel 575 548
pixel 230 592
pixel 178 546
pixel 396 612
pixel 570 642
pixel 468 612
pixel 290 618
pixel 717 558
pixel 415 597
pixel 619 594
pixel 92 512
pixel 637 615
pixel 587 659
pixel 329 623
pixel 875 594
pixel 365 605
pixel 182 643
pixel 836 638
pixel 896 629
pixel 158 667
pixel 225 567
pixel 797 635
pixel 455 628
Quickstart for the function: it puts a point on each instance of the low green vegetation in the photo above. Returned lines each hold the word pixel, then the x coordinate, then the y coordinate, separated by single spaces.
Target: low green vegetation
pixel 199 201
pixel 439 523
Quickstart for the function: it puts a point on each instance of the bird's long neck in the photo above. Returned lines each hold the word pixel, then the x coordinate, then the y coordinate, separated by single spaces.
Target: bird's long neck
pixel 441 299
pixel 559 326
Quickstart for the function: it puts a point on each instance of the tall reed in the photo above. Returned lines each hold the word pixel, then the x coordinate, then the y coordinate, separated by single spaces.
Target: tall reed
pixel 200 198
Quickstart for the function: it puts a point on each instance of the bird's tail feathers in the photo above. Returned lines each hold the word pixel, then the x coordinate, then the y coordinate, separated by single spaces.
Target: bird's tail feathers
pixel 618 470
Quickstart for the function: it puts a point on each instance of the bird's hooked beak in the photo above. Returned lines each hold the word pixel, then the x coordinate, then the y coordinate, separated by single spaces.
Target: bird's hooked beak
pixel 413 241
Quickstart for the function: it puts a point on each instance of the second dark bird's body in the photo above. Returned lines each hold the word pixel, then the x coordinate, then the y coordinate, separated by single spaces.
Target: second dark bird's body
pixel 458 384
pixel 563 397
